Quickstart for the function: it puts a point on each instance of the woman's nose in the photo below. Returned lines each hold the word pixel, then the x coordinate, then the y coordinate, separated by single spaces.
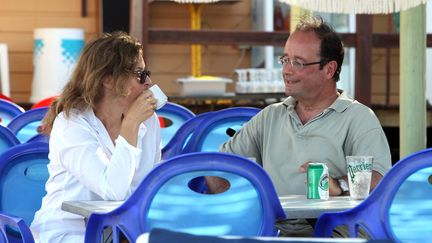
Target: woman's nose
pixel 148 81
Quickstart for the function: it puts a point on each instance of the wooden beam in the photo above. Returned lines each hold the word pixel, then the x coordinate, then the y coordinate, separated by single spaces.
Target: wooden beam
pixel 217 37
pixel 276 38
pixel 145 28
pixel 383 40
pixel 83 8
pixel 218 2
pixel 363 68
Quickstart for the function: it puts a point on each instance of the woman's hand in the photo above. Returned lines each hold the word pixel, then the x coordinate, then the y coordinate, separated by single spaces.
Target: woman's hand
pixel 140 110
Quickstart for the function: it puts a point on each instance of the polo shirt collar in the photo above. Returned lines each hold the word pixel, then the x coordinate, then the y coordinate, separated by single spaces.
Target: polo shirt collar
pixel 339 105
pixel 290 103
pixel 342 102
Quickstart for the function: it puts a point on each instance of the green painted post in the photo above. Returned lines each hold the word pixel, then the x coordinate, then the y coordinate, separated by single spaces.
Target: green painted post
pixel 412 111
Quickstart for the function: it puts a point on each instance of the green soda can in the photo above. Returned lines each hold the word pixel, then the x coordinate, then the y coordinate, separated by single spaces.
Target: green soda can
pixel 317 181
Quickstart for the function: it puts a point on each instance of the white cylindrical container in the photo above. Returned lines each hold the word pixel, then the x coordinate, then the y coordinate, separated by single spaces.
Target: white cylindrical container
pixel 55 53
pixel 241 81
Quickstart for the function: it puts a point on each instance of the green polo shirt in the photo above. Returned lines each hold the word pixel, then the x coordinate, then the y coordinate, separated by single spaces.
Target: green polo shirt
pixel 279 142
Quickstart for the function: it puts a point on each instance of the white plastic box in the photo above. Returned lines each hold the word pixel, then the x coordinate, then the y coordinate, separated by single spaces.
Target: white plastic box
pixel 205 85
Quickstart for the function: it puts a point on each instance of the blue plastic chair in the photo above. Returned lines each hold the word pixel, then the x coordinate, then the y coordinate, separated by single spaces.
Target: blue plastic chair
pixel 12 225
pixel 400 207
pixel 213 131
pixel 174 116
pixel 27 124
pixel 164 236
pixel 8 110
pixel 7 139
pixel 182 136
pixel 23 174
pixel 249 207
pixel 39 138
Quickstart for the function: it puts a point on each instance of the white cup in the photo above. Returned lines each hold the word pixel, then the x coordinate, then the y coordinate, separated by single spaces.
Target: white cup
pixel 359 170
pixel 161 98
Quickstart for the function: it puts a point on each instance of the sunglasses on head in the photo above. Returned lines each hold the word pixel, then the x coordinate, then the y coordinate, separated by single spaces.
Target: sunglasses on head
pixel 142 75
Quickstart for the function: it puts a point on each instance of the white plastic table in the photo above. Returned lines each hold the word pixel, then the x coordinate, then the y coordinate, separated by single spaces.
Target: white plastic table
pixel 295 207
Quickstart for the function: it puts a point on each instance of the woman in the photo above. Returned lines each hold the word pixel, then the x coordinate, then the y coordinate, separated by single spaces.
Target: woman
pixel 104 134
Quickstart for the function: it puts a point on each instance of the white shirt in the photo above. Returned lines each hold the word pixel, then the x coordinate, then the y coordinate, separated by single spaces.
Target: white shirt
pixel 86 165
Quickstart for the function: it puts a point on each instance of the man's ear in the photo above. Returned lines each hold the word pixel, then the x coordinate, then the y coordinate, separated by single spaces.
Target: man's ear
pixel 330 69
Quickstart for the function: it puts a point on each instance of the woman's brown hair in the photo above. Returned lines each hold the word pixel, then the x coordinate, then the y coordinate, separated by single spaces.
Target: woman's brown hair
pixel 113 56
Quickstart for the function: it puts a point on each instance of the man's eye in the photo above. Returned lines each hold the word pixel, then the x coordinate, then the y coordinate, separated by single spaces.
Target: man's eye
pixel 297 63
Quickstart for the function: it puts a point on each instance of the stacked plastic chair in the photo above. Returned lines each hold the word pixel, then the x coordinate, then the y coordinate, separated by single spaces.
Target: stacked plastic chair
pixel 5 97
pixel 8 110
pixel 23 174
pixel 13 229
pixel 182 136
pixel 164 200
pixel 400 207
pixel 44 103
pixel 207 131
pixel 7 139
pixel 172 116
pixel 28 124
pixel 215 130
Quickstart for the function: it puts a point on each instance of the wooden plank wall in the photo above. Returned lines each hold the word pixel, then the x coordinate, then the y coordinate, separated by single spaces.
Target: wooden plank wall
pixel 379 66
pixel 170 62
pixel 18 19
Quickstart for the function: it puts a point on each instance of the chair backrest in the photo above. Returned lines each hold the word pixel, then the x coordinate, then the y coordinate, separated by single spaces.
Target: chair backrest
pixel 23 174
pixel 212 132
pixel 39 138
pixel 249 207
pixel 8 110
pixel 182 136
pixel 399 208
pixel 45 102
pixel 5 97
pixel 7 139
pixel 13 229
pixel 173 116
pixel 28 124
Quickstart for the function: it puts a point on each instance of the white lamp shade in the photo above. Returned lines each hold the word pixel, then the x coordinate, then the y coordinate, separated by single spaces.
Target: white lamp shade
pixel 356 6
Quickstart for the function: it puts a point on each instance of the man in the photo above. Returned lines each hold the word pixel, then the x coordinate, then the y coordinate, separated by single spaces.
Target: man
pixel 316 123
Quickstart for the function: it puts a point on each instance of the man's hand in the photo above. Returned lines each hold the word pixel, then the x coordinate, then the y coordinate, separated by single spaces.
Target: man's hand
pixel 376 177
pixel 334 188
pixel 216 184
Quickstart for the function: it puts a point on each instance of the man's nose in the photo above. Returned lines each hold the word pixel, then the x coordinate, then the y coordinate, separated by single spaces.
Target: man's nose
pixel 287 68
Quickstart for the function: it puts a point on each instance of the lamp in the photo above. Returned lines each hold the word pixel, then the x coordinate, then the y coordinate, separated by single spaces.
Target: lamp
pixel 356 6
pixel 197 84
pixel 196 1
pixel 195 7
